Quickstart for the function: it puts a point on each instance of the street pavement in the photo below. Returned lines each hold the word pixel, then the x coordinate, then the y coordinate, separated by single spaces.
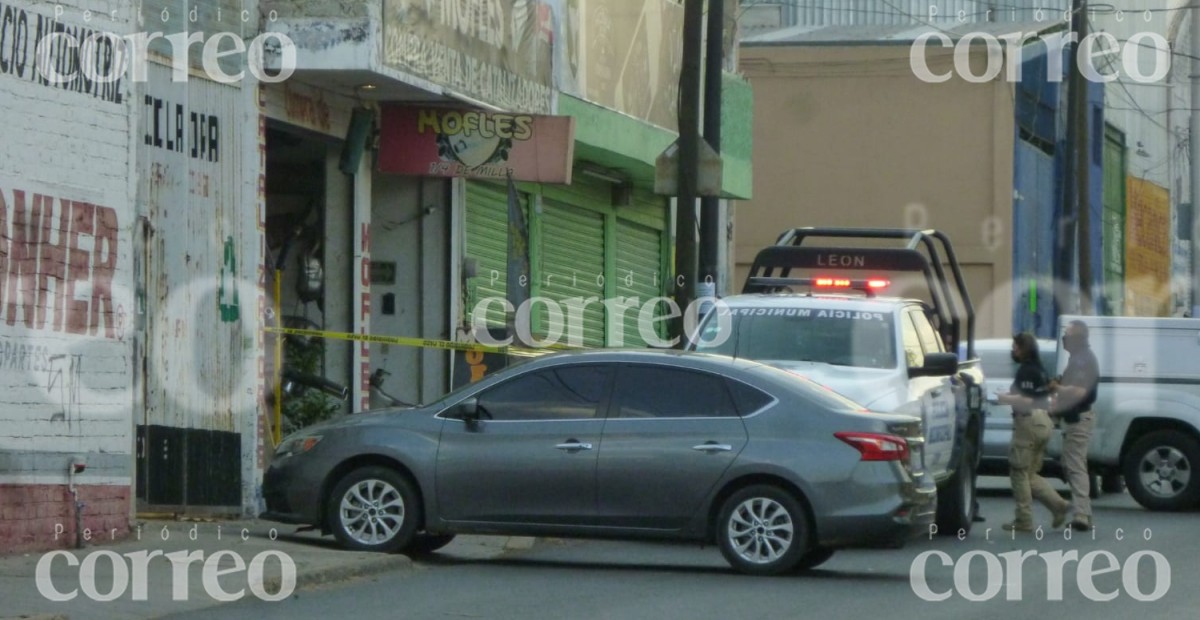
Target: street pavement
pixel 481 577
pixel 622 580
pixel 317 562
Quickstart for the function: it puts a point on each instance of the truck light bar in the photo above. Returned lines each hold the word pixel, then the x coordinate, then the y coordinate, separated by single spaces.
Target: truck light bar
pixel 867 285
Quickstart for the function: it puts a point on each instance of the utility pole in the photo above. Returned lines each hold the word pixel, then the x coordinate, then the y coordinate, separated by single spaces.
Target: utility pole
pixel 710 206
pixel 1083 163
pixel 1076 223
pixel 1194 137
pixel 689 156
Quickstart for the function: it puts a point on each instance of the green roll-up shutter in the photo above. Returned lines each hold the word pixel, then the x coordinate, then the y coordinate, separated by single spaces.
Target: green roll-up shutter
pixel 487 243
pixel 572 266
pixel 639 250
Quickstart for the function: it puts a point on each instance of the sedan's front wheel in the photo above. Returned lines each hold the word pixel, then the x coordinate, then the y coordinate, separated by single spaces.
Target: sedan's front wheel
pixel 373 509
pixel 762 530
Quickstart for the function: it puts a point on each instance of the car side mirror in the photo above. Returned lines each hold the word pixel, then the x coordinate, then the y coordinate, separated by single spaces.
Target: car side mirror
pixel 467 411
pixel 936 365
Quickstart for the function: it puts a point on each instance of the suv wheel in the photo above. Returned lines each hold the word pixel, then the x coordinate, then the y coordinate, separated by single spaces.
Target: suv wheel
pixel 1160 471
pixel 373 509
pixel 762 530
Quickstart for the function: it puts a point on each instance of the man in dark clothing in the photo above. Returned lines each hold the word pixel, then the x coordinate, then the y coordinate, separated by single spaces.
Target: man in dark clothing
pixel 1029 398
pixel 1074 394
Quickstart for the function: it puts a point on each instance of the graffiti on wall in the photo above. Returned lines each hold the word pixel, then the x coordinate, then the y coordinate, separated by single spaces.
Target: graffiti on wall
pixel 63 382
pixel 227 293
pixel 57 259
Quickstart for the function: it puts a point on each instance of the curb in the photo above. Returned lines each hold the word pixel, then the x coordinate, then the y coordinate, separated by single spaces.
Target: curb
pixel 365 568
pixel 520 543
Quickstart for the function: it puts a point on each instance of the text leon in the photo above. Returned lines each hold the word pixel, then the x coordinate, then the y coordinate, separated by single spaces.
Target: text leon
pixel 57 259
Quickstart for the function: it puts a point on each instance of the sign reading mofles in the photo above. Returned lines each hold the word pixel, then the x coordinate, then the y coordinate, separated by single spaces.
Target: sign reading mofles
pixel 451 142
pixel 498 51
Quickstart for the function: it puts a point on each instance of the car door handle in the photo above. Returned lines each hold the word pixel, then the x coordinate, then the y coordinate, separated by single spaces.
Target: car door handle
pixel 571 445
pixel 713 447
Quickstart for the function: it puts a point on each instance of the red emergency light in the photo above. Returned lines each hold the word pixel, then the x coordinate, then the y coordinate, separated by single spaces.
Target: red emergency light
pixel 872 283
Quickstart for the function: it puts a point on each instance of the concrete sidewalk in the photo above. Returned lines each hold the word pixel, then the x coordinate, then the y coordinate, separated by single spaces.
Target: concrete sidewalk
pixel 227 558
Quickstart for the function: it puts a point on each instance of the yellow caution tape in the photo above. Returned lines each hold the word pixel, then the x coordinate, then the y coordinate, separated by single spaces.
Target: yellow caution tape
pixel 412 342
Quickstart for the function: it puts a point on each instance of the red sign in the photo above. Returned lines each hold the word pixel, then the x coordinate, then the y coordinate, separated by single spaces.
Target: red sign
pixel 451 142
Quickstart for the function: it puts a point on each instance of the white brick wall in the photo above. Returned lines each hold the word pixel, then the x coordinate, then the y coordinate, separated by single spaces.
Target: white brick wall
pixel 65 392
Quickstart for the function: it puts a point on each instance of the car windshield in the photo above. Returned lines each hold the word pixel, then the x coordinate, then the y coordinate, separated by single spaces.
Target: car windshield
pixel 831 336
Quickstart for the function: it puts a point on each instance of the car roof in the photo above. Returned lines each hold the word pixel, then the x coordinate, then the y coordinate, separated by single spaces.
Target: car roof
pixel 718 364
pixel 690 358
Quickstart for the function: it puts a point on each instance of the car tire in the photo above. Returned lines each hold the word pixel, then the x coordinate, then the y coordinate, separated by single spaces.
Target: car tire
pixel 1160 471
pixel 763 530
pixel 425 544
pixel 956 498
pixel 814 558
pixel 373 509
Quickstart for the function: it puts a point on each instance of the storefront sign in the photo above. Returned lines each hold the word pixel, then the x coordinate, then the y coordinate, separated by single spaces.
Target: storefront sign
pixel 498 51
pixel 451 142
pixel 622 54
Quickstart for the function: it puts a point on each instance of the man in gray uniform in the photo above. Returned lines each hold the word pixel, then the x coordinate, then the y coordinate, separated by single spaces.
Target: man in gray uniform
pixel 1074 394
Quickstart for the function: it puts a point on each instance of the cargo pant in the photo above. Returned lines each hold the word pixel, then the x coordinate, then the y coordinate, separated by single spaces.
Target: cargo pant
pixel 1030 435
pixel 1076 438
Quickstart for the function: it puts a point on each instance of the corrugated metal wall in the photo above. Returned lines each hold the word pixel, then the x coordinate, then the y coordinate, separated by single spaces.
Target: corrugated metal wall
pixel 1034 209
pixel 202 253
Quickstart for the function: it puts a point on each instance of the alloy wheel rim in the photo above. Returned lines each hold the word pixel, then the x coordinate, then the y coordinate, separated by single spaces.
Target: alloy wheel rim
pixel 372 512
pixel 1165 472
pixel 761 530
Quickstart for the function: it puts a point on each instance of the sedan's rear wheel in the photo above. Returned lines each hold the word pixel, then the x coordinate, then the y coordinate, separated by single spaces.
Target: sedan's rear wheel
pixel 762 530
pixel 373 509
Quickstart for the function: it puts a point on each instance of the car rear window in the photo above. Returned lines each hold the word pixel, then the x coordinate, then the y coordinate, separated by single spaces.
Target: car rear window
pixel 748 399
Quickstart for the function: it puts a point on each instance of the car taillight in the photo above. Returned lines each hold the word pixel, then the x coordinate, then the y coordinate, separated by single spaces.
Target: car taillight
pixel 877 446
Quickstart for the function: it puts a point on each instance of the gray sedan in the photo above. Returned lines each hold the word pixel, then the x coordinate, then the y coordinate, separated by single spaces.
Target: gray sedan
pixel 775 469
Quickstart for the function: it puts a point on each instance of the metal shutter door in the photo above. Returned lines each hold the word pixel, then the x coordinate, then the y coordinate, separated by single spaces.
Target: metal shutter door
pixel 487 243
pixel 573 267
pixel 639 250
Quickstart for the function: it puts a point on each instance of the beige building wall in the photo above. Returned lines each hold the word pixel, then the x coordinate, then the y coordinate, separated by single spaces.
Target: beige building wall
pixel 849 136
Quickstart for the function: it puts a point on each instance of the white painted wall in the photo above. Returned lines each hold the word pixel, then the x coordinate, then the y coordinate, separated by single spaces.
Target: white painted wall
pixel 66 303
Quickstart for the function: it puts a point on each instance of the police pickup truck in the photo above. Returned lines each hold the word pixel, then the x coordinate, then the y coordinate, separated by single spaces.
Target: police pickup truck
pixel 837 326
